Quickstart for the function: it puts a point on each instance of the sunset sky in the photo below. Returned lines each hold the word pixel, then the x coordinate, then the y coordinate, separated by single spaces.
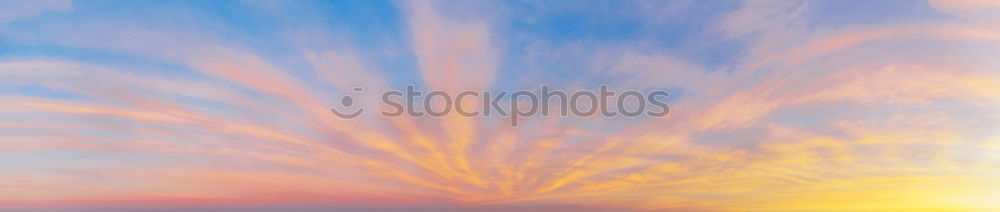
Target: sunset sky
pixel 825 105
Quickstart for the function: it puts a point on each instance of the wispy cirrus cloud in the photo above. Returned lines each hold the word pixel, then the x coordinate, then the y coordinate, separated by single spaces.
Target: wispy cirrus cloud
pixel 212 104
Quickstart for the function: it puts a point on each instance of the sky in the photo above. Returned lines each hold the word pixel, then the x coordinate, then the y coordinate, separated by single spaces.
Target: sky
pixel 825 105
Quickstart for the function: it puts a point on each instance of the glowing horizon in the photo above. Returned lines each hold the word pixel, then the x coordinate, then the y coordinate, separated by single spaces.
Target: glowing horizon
pixel 226 105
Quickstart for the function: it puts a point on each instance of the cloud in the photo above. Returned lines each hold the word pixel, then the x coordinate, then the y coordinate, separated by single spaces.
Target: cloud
pixel 801 117
pixel 453 55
